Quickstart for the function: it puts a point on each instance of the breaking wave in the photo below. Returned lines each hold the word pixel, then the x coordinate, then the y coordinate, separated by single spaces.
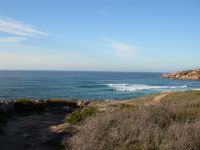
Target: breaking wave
pixel 137 87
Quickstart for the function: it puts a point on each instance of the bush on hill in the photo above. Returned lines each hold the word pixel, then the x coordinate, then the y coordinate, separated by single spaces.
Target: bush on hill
pixel 80 115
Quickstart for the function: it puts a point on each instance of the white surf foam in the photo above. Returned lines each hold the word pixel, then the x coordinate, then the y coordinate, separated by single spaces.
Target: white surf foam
pixel 137 87
pixel 196 89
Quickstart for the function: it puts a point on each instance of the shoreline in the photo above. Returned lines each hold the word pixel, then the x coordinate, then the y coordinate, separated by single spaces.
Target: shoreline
pixel 9 105
pixel 90 100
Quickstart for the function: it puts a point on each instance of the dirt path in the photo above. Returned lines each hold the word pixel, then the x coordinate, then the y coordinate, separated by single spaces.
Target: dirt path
pixel 31 132
pixel 160 96
pixel 154 101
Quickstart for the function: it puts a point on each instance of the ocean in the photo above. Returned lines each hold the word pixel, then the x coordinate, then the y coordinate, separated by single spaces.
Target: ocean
pixel 86 85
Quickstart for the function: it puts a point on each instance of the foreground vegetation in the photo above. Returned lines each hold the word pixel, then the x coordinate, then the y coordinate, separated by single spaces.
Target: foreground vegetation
pixel 173 123
pixel 80 115
pixel 166 121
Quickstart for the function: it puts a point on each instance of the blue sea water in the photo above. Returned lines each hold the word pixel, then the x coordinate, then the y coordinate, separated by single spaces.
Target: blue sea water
pixel 86 85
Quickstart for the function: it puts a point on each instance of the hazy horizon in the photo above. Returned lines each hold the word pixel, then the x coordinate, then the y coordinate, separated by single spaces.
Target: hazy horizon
pixel 82 71
pixel 106 35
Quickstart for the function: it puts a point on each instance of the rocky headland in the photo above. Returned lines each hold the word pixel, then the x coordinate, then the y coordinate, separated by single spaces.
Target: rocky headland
pixel 183 75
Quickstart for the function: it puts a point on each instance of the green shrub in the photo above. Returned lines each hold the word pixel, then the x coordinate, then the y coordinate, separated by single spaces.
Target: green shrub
pixel 124 106
pixel 128 106
pixel 23 100
pixel 88 111
pixel 27 105
pixel 74 117
pixel 80 115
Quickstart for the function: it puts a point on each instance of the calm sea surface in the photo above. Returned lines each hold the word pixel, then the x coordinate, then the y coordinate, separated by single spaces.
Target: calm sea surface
pixel 86 85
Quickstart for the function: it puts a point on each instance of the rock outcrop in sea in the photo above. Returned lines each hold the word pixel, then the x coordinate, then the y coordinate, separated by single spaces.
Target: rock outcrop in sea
pixel 183 75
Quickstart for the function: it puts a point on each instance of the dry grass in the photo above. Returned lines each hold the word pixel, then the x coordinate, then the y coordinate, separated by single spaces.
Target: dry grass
pixel 172 125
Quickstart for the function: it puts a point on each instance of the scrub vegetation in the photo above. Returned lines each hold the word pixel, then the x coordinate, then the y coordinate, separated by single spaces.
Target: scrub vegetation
pixel 171 124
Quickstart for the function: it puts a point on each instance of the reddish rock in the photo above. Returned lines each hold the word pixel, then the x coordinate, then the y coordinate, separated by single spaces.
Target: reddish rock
pixel 184 75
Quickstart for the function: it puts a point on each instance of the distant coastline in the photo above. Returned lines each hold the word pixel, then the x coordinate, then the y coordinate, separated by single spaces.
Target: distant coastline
pixel 183 75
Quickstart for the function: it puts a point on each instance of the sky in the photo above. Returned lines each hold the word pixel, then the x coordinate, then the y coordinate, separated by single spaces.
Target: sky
pixel 100 35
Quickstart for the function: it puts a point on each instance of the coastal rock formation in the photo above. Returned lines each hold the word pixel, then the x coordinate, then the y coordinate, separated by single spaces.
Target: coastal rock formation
pixel 183 75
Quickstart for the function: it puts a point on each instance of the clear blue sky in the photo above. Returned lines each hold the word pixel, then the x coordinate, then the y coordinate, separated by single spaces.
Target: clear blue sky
pixel 106 35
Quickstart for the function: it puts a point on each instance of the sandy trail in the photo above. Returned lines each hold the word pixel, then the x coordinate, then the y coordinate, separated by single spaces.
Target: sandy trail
pixel 155 101
pixel 158 98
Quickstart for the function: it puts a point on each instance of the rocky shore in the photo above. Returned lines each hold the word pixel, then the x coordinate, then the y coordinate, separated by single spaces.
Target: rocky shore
pixel 183 75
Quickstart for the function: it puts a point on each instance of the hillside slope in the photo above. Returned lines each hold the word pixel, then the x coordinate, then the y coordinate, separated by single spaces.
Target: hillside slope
pixel 156 122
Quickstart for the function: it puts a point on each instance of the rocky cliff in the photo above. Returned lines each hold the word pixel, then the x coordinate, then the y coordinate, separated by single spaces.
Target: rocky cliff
pixel 183 75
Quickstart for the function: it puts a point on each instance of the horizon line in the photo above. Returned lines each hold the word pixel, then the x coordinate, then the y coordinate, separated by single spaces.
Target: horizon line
pixel 82 70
